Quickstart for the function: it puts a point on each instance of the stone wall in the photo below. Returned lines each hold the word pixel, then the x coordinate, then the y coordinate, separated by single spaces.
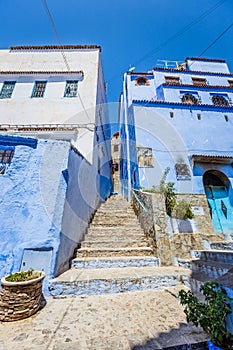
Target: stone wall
pixel 170 247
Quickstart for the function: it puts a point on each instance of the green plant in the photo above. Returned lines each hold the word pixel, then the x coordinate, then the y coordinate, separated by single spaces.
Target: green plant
pixel 210 314
pixel 180 210
pixel 23 276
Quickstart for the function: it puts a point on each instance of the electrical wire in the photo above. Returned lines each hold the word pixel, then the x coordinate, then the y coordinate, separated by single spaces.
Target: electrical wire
pixel 215 40
pixel 175 36
pixel 52 24
pixel 55 32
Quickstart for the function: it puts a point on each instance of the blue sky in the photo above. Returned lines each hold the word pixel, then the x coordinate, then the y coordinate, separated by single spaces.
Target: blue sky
pixel 131 32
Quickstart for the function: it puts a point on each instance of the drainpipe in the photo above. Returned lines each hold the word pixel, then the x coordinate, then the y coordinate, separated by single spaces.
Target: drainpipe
pixel 127 135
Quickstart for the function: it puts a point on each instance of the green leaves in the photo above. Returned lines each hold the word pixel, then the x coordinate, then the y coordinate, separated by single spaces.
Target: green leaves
pixel 211 314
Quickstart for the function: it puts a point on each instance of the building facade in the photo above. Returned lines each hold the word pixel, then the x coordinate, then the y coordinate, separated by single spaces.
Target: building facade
pixel 55 152
pixel 181 119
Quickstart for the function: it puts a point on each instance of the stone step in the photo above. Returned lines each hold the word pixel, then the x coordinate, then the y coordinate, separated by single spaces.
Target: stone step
pixel 74 283
pixel 131 223
pixel 127 243
pixel 210 268
pixel 118 211
pixel 198 279
pixel 96 230
pixel 115 262
pixel 222 245
pixel 224 256
pixel 95 252
pixel 115 237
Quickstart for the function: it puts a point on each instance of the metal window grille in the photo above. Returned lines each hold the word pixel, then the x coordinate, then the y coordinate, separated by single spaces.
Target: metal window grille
pixel 71 88
pixel 219 100
pixel 6 156
pixel 7 89
pixel 39 89
pixel 189 99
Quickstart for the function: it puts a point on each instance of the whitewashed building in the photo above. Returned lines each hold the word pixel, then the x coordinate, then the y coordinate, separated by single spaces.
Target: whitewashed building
pixel 54 153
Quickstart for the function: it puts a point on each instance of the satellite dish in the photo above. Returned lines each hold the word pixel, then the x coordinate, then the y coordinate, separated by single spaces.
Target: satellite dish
pixel 131 69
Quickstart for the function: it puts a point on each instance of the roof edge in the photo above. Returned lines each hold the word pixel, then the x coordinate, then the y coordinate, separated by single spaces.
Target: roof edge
pixel 205 59
pixel 55 47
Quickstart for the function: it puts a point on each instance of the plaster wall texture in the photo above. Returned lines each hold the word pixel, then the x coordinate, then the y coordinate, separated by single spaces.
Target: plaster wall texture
pixel 202 66
pixel 170 141
pixel 53 107
pixel 32 202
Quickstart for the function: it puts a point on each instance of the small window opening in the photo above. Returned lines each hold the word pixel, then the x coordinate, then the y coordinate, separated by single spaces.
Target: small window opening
pixel 71 88
pixel 219 100
pixel 172 114
pixel 226 118
pixel 189 99
pixel 230 82
pixel 39 89
pixel 7 89
pixel 142 82
pixel 199 116
pixel 172 80
pixel 199 81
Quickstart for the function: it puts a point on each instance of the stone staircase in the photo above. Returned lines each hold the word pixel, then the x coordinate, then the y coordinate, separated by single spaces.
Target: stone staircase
pixel 215 264
pixel 116 256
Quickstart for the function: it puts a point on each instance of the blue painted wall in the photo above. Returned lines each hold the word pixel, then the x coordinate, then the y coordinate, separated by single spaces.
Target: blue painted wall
pixel 32 200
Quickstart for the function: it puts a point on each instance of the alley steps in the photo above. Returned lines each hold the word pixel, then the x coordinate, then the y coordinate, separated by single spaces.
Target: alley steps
pixel 116 256
pixel 75 282
pixel 115 262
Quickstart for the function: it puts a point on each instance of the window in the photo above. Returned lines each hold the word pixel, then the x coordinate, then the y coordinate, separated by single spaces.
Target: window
pixel 145 157
pixel 199 81
pixel 6 156
pixel 199 116
pixel 39 89
pixel 219 100
pixel 172 80
pixel 182 171
pixel 142 82
pixel 7 89
pixel 71 88
pixel 190 99
pixel 172 114
pixel 115 148
pixel 230 82
pixel 226 118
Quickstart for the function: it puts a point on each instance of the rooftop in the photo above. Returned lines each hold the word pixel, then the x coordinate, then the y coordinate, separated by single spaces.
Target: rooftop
pixel 55 47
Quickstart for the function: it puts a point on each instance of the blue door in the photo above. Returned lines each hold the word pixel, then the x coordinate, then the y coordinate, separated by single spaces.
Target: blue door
pixel 220 208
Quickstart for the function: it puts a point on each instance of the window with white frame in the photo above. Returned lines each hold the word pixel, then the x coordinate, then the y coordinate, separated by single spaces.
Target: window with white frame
pixel 39 89
pixel 7 89
pixel 71 88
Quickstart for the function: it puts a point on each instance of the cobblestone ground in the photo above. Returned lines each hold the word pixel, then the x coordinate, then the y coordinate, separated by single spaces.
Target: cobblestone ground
pixel 141 320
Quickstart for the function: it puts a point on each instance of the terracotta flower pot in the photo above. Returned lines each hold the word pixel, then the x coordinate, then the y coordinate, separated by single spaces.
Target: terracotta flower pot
pixel 19 300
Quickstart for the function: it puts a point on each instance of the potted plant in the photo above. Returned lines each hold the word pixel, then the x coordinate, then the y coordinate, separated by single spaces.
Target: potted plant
pixel 21 294
pixel 211 314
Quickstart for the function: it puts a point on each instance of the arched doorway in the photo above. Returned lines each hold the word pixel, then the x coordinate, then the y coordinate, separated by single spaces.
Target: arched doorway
pixel 217 187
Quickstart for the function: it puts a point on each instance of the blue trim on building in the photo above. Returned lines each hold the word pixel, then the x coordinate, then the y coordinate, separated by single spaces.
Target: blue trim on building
pixel 6 140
